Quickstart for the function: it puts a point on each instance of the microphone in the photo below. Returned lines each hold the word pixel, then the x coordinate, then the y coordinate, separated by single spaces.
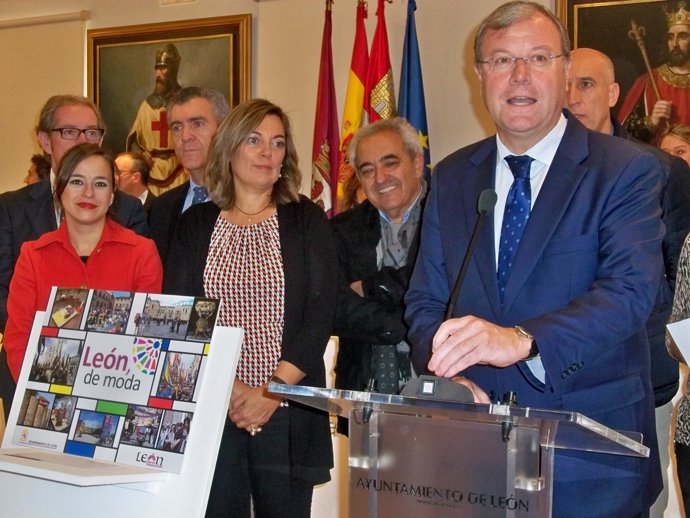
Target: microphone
pixel 485 206
pixel 368 409
pixel 510 400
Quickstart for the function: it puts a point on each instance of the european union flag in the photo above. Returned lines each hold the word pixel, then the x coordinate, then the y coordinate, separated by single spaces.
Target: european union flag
pixel 412 105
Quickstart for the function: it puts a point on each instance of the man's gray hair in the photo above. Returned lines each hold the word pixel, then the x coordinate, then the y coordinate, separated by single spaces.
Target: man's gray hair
pixel 399 125
pixel 217 100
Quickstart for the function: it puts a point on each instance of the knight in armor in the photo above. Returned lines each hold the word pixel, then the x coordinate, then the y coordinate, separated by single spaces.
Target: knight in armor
pixel 149 134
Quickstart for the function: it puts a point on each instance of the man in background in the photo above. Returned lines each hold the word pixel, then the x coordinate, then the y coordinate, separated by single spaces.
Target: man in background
pixel 555 298
pixel 26 214
pixel 592 92
pixel 149 134
pixel 38 170
pixel 377 244
pixel 133 177
pixel 194 115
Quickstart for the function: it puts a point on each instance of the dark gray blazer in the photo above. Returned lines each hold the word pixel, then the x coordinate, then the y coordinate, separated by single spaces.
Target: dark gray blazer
pixel 163 215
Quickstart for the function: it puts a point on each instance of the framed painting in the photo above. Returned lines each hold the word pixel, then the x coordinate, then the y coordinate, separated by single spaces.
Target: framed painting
pixel 124 68
pixel 619 29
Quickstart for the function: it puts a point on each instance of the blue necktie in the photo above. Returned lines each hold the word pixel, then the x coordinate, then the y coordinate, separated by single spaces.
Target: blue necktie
pixel 200 194
pixel 515 217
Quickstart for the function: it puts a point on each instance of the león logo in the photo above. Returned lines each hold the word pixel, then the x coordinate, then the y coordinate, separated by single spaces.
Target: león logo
pixel 145 352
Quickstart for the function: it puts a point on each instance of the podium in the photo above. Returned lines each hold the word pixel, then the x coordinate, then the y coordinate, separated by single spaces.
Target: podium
pixel 418 458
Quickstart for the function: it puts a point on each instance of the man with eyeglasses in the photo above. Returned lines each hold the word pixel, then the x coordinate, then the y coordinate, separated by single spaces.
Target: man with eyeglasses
pixel 194 115
pixel 563 277
pixel 28 213
pixel 377 244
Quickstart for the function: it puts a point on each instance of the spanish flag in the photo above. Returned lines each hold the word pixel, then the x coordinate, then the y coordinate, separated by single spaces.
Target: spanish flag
pixel 380 94
pixel 325 150
pixel 354 101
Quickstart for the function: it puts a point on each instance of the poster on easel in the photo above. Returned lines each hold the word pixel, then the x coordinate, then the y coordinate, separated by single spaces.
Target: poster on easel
pixel 115 376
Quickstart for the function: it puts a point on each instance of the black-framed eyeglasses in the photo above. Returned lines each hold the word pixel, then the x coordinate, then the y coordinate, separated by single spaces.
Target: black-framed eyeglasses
pixel 91 134
pixel 505 62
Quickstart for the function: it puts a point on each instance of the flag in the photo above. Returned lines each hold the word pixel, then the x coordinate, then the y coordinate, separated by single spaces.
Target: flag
pixel 380 96
pixel 325 150
pixel 412 105
pixel 354 99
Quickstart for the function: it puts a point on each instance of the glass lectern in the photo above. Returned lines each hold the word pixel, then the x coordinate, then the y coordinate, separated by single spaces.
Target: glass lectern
pixel 417 458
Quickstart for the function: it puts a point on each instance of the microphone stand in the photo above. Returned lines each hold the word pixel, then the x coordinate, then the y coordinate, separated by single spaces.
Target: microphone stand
pixel 487 200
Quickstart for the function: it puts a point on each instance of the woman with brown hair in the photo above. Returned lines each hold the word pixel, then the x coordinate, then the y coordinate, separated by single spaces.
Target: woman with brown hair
pixel 267 253
pixel 677 142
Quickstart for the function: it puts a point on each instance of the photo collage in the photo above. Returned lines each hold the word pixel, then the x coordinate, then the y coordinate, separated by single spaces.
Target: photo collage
pixel 115 375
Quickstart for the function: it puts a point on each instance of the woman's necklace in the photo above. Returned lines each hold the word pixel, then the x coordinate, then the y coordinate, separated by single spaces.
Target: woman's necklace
pixel 250 215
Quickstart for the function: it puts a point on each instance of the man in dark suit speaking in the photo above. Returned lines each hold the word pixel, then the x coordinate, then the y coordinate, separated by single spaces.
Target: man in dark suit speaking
pixel 556 296
pixel 28 213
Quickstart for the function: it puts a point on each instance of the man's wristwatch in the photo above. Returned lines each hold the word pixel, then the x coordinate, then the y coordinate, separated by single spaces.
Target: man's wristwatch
pixel 533 350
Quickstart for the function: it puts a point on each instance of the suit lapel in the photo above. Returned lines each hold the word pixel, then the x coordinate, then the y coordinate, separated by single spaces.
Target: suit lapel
pixel 40 209
pixel 483 177
pixel 561 183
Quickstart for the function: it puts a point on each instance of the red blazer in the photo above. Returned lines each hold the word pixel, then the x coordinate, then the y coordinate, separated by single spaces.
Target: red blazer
pixel 122 261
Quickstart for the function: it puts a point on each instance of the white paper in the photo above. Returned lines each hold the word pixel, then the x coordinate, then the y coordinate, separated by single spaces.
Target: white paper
pixel 680 332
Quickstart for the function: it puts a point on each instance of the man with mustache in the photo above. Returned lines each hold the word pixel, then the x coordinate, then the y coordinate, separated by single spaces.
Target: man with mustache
pixel 642 114
pixel 149 134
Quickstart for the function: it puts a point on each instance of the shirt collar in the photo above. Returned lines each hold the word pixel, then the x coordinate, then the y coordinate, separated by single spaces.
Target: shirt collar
pixel 406 215
pixel 111 232
pixel 544 150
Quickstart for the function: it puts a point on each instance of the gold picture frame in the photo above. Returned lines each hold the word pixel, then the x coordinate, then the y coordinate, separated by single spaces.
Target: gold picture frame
pixel 215 53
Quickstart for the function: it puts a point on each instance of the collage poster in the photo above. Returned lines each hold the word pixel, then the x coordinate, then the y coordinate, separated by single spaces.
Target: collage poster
pixel 114 376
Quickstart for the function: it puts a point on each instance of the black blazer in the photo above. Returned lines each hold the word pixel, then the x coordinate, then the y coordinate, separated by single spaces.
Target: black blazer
pixel 163 215
pixel 376 318
pixel 147 204
pixel 310 269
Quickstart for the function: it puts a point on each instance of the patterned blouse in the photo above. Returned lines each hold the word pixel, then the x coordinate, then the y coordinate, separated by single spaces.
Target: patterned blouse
pixel 681 311
pixel 244 269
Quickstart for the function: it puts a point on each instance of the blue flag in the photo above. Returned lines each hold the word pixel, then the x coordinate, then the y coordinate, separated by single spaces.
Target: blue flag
pixel 411 104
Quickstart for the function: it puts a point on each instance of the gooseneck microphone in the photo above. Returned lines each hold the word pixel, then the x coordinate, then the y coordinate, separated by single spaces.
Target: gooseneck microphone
pixel 485 206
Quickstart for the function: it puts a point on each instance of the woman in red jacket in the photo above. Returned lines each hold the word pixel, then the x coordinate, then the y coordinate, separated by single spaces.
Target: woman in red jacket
pixel 89 249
